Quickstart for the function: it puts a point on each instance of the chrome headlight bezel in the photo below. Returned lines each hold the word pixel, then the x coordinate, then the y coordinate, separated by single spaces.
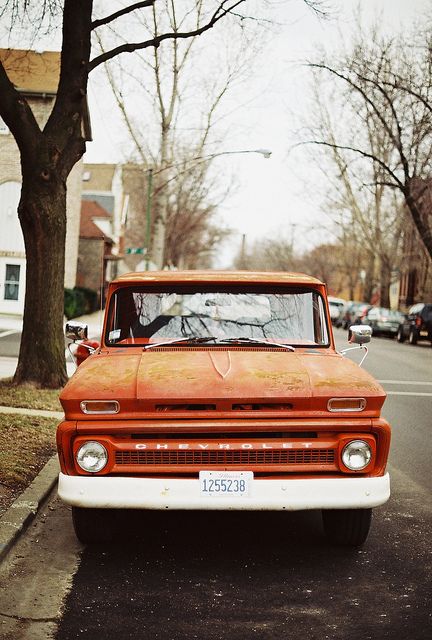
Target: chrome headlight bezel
pixel 357 455
pixel 96 452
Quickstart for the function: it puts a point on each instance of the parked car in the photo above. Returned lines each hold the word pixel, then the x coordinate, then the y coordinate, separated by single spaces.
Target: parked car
pixel 336 306
pixel 353 313
pixel 383 321
pixel 347 311
pixel 417 324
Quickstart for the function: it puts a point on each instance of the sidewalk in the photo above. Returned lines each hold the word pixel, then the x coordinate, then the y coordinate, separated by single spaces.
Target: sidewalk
pixel 14 324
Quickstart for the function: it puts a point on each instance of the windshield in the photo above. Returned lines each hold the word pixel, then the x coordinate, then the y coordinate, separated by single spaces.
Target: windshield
pixel 139 316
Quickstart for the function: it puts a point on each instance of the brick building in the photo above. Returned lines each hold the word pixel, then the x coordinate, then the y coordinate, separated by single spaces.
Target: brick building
pixel 95 257
pixel 36 76
pixel 416 272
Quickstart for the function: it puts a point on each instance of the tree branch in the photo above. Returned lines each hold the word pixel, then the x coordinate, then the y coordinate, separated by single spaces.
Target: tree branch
pixel 220 12
pixel 16 112
pixel 362 153
pixel 138 5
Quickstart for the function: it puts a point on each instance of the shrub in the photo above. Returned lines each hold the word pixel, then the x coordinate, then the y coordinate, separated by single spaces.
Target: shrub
pixel 80 301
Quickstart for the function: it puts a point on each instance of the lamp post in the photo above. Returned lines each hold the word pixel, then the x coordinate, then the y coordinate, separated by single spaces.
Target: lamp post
pixel 266 153
pixel 148 215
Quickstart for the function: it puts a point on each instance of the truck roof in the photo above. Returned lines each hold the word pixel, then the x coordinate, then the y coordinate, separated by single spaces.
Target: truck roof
pixel 223 277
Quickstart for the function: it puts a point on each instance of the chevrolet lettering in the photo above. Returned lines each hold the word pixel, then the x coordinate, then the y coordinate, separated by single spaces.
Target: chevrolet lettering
pixel 220 391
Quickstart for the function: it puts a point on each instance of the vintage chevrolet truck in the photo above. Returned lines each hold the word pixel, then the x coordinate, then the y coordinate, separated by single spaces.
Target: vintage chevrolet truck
pixel 221 390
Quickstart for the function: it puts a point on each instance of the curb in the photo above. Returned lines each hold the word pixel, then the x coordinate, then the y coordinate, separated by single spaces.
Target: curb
pixel 25 508
pixel 33 412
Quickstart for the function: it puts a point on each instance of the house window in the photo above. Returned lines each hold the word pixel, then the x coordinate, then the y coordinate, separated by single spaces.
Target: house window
pixel 12 282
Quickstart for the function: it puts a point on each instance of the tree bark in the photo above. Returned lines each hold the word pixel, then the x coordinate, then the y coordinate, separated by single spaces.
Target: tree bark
pixel 42 213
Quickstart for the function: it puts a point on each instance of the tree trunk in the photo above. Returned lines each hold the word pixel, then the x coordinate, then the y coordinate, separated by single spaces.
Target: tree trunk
pixel 369 278
pixel 42 213
pixel 385 281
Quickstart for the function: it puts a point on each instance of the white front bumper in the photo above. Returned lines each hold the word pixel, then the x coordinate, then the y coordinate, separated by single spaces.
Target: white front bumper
pixel 273 495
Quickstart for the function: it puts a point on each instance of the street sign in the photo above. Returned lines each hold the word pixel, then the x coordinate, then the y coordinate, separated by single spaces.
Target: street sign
pixel 140 250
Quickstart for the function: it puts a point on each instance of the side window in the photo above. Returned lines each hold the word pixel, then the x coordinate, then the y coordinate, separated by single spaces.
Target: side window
pixel 11 288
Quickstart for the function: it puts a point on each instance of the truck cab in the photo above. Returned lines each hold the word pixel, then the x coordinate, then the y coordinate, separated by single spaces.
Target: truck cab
pixel 222 391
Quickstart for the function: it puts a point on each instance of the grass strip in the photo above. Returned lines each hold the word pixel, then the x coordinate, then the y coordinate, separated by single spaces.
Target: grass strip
pixel 26 444
pixel 28 396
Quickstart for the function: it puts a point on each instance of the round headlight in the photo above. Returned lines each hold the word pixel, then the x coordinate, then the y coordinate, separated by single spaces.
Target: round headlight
pixel 92 457
pixel 356 455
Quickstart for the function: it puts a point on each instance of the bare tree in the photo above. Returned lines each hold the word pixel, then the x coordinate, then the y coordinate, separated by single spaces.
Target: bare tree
pixel 386 88
pixel 269 254
pixel 168 89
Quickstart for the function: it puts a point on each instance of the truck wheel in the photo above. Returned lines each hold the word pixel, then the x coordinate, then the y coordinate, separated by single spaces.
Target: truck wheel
pixel 400 335
pixel 347 527
pixel 93 525
pixel 412 338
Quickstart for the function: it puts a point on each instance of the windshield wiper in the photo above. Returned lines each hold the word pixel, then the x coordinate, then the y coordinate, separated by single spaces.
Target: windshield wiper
pixel 244 340
pixel 190 340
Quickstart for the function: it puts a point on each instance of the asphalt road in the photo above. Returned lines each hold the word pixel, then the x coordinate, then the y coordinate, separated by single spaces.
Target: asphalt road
pixel 236 576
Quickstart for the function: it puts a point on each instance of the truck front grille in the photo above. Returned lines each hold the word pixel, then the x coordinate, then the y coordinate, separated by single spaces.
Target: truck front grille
pixel 253 458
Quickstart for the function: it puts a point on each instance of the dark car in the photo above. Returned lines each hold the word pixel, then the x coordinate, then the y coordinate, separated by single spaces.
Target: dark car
pixel 384 322
pixel 417 324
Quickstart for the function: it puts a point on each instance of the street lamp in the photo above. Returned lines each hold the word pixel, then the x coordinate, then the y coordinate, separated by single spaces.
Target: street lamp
pixel 266 153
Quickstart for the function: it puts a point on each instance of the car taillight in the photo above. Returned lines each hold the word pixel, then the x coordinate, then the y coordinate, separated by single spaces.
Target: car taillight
pixel 418 321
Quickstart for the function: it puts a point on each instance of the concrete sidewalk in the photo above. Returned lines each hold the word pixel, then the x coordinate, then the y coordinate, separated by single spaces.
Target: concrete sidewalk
pixel 14 324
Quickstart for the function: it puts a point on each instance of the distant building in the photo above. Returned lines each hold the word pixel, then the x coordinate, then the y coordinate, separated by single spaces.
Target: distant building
pixel 416 272
pixel 102 184
pixel 36 76
pixel 96 262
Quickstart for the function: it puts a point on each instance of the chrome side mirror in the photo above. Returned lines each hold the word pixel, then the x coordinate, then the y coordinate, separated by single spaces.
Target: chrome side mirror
pixel 76 331
pixel 360 334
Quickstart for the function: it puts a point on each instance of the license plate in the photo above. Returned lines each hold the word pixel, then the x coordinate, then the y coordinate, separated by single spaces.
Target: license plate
pixel 227 484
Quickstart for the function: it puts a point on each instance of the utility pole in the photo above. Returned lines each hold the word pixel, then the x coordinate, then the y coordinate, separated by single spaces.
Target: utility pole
pixel 148 216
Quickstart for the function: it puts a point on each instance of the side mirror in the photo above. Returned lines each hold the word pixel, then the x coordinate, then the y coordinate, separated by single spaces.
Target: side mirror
pixel 360 334
pixel 76 331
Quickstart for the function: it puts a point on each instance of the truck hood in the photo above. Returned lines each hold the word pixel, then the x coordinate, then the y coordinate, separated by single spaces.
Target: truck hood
pixel 183 381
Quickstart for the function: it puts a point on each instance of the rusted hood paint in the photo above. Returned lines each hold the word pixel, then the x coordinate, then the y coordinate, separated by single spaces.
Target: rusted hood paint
pixel 140 380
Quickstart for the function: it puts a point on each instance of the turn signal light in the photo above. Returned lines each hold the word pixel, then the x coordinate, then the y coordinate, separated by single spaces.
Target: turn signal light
pixel 346 404
pixel 100 406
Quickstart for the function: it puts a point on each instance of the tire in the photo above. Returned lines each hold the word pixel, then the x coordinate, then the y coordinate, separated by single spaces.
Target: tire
pixel 347 527
pixel 400 335
pixel 93 526
pixel 412 338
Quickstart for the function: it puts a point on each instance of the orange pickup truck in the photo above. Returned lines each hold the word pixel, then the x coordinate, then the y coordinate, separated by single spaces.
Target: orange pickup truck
pixel 221 390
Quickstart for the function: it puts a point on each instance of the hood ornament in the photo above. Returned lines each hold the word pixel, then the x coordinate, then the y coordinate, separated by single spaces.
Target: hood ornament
pixel 216 368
